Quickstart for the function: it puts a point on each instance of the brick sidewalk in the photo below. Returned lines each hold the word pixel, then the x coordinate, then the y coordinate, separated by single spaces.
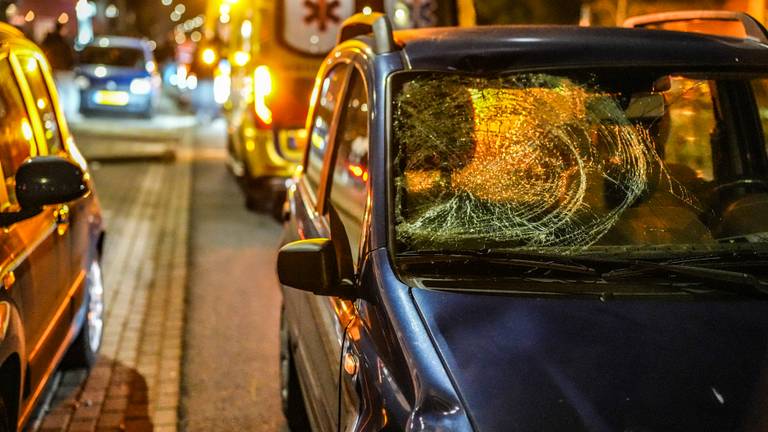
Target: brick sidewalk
pixel 135 383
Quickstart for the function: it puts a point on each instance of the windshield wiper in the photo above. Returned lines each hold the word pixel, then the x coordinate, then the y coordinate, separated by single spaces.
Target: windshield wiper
pixel 736 282
pixel 426 257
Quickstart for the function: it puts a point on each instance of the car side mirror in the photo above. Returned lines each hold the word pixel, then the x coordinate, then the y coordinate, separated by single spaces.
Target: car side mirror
pixel 45 180
pixel 311 265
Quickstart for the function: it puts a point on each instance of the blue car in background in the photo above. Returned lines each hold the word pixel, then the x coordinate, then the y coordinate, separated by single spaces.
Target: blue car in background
pixel 118 75
pixel 531 228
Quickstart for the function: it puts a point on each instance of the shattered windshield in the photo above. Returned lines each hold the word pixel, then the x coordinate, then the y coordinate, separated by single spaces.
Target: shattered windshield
pixel 579 162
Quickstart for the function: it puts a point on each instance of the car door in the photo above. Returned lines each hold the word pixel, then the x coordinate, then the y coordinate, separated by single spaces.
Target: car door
pixel 314 321
pixel 347 202
pixel 72 225
pixel 41 247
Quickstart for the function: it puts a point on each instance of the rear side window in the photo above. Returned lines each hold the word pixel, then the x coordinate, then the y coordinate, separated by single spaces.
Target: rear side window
pixel 328 99
pixel 113 56
pixel 43 102
pixel 16 136
pixel 349 191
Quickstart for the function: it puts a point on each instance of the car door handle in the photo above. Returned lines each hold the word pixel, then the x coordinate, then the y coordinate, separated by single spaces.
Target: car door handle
pixel 61 216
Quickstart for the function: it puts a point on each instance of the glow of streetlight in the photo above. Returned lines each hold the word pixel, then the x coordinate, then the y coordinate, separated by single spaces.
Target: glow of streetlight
pixel 209 56
pixel 111 11
pixel 246 29
pixel 242 58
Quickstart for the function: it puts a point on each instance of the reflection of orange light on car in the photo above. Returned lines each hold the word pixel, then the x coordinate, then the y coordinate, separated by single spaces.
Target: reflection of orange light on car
pixel 5 316
pixel 26 130
pixel 315 93
pixel 262 87
pixel 358 171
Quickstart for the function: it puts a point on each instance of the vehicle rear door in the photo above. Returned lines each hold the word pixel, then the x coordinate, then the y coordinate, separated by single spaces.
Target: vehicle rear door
pixel 41 251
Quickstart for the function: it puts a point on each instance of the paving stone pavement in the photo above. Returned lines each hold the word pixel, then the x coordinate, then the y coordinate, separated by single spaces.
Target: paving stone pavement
pixel 135 383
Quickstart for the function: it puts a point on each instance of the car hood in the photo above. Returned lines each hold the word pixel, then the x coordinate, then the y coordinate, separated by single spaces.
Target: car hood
pixel 113 72
pixel 557 364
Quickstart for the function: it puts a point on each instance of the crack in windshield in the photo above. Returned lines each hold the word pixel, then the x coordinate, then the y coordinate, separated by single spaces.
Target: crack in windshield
pixel 529 160
pixel 540 162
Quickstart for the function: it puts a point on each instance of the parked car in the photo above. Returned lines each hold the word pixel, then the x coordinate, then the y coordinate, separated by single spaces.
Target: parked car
pixel 530 228
pixel 51 295
pixel 118 75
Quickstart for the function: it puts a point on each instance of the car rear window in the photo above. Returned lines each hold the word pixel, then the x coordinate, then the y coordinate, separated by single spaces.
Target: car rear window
pixel 113 56
pixel 662 160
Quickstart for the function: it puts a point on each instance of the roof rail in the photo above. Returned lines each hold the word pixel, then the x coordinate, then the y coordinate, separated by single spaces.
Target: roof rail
pixel 753 29
pixel 376 23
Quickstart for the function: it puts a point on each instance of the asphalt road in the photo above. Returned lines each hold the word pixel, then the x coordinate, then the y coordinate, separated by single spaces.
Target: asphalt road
pixel 230 374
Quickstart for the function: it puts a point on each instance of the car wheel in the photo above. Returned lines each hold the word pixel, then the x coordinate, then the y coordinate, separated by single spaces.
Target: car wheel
pixel 290 390
pixel 84 349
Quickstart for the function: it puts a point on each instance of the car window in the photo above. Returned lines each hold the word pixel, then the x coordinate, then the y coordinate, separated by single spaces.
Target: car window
pixel 43 102
pixel 760 88
pixel 581 161
pixel 349 190
pixel 113 56
pixel 16 136
pixel 330 92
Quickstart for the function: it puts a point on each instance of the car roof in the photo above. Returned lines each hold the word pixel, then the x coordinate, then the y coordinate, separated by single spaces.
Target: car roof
pixel 10 34
pixel 495 48
pixel 121 42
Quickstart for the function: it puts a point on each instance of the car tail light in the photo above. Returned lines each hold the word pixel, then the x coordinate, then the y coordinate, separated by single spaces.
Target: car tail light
pixel 262 88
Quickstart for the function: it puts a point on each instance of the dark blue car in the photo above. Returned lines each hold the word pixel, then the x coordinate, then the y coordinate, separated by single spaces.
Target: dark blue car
pixel 531 229
pixel 118 75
